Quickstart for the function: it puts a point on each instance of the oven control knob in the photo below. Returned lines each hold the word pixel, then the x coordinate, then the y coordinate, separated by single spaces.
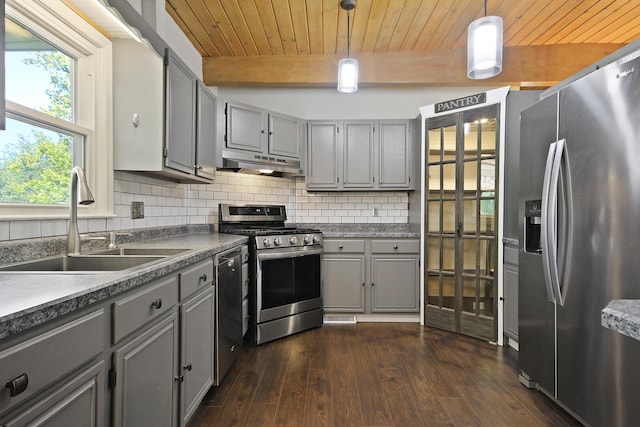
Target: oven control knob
pixel 277 241
pixel 293 240
pixel 307 239
pixel 316 239
pixel 266 242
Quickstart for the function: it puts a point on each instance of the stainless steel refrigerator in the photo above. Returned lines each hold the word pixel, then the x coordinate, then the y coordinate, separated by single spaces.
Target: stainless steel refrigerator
pixel 580 243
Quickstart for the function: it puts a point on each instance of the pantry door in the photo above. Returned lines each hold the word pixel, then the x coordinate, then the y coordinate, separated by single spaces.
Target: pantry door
pixel 461 223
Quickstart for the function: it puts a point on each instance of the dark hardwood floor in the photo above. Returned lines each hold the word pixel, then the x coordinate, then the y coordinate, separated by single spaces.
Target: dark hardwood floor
pixel 376 374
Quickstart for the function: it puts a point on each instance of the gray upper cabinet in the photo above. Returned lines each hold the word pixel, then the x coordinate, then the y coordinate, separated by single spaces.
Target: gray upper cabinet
pixel 206 128
pixel 245 128
pixel 360 155
pixel 254 130
pixel 394 154
pixel 284 135
pixel 164 118
pixel 180 122
pixel 322 156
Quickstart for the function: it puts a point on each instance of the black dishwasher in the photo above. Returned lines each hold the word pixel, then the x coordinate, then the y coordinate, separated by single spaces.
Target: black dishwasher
pixel 228 331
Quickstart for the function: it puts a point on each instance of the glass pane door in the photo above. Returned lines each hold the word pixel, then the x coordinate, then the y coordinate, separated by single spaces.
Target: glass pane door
pixel 461 289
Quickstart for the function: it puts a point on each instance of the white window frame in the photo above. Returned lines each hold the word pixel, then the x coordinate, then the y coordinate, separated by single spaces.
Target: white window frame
pixel 62 27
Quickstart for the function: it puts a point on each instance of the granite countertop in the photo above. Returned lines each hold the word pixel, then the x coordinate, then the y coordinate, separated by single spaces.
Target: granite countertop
pixel 623 316
pixel 29 299
pixel 382 230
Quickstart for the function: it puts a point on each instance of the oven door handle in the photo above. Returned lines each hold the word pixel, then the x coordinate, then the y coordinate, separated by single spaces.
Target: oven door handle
pixel 297 253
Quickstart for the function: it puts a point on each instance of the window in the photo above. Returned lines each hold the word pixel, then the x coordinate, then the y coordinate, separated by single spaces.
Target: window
pixel 58 91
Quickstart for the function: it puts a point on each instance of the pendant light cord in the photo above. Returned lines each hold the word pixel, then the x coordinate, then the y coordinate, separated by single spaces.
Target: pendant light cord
pixel 485 7
pixel 349 34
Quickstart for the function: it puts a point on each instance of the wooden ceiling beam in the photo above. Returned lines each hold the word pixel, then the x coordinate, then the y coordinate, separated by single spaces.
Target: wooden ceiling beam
pixel 545 65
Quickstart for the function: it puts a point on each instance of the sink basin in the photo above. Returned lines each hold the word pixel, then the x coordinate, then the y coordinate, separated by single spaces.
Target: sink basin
pixel 80 264
pixel 142 251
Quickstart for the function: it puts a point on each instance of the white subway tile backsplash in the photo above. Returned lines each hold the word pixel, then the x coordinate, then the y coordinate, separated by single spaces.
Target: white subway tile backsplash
pixel 169 203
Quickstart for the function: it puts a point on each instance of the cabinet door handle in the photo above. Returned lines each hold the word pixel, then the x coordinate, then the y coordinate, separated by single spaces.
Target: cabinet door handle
pixel 363 284
pixel 157 304
pixel 17 385
pixel 372 284
pixel 187 367
pixel 203 277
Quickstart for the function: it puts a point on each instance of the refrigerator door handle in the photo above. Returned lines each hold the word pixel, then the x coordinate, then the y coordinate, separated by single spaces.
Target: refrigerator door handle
pixel 544 233
pixel 553 223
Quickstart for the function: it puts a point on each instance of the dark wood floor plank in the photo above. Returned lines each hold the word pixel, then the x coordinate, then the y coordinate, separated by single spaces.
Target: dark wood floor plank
pixel 459 412
pixel 345 402
pixel 373 403
pixel 373 374
pixel 318 411
pixel 261 414
pixel 271 382
pixel 290 412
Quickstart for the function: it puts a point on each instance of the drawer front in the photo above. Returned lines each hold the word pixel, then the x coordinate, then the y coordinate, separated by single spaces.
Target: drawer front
pixel 344 246
pixel 135 311
pixel 50 356
pixel 406 246
pixel 196 277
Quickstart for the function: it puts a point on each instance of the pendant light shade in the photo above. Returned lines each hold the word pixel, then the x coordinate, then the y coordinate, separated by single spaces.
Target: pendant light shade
pixel 348 75
pixel 348 67
pixel 484 47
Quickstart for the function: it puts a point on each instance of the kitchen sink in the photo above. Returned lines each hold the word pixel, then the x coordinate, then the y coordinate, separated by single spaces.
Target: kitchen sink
pixel 142 251
pixel 80 264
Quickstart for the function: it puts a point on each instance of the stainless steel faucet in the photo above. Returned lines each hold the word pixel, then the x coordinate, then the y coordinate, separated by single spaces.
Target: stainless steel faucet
pixel 86 198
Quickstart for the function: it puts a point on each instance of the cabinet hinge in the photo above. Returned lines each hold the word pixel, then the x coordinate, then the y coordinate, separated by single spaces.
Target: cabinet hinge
pixel 112 378
pixel 337 130
pixel 165 152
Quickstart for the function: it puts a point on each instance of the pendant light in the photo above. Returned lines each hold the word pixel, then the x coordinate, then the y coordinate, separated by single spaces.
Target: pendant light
pixel 484 47
pixel 348 67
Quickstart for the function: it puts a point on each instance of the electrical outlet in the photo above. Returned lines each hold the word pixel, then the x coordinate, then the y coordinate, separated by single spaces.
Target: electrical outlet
pixel 137 210
pixel 375 211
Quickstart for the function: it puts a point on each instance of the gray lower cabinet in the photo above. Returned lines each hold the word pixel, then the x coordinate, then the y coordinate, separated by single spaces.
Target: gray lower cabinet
pixel 46 384
pixel 371 276
pixel 196 355
pixel 393 283
pixel 344 282
pixel 145 390
pixel 511 292
pixel 77 402
pixel 142 358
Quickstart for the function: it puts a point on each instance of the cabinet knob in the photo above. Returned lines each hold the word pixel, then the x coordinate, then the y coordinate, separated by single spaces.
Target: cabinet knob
pixel 395 246
pixel 262 131
pixel 340 246
pixel 187 367
pixel 156 304
pixel 203 277
pixel 17 385
pixel 179 378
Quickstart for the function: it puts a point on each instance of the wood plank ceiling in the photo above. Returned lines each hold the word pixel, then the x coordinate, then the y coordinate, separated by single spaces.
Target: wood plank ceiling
pixel 297 43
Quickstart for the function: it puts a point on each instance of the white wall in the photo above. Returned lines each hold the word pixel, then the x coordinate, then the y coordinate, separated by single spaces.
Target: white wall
pixel 328 103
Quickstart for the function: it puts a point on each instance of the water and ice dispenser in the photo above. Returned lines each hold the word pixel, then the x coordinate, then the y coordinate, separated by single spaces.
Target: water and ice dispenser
pixel 532 226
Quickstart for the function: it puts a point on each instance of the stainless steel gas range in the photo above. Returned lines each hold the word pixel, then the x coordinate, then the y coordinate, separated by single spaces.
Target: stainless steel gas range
pixel 285 271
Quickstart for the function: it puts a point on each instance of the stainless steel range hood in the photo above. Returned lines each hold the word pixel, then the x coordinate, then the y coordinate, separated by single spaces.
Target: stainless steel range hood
pixel 254 162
